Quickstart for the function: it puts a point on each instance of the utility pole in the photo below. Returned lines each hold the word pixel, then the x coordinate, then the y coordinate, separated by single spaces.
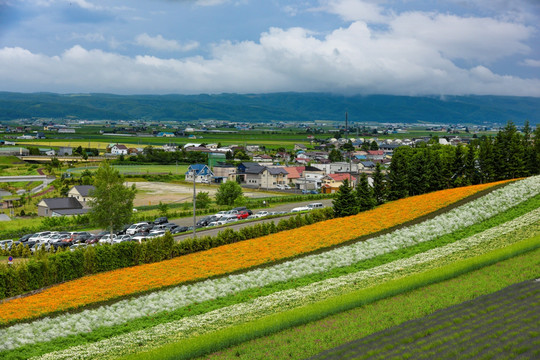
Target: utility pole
pixel 348 152
pixel 194 206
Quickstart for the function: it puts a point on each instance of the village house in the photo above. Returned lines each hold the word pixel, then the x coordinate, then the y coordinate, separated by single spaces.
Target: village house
pixel 201 172
pixel 224 173
pixel 65 206
pixel 263 158
pixel 332 182
pixel 254 175
pixel 82 193
pixel 119 150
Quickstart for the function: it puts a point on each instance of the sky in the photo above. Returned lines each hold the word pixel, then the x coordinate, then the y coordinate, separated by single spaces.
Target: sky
pixel 399 47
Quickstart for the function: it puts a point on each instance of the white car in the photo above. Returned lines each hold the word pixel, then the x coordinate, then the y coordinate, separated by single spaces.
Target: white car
pixel 107 239
pixel 300 208
pixel 220 214
pixel 259 214
pixel 77 246
pixel 133 229
pixel 155 234
pixel 217 223
pixel 121 238
pixel 315 206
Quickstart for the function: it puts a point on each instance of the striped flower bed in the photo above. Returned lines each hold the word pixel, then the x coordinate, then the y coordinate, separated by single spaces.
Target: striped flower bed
pixel 229 258
pixel 293 298
pixel 171 299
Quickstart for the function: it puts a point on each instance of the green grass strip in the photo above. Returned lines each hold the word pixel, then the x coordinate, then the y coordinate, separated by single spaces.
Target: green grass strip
pixel 218 340
pixel 143 323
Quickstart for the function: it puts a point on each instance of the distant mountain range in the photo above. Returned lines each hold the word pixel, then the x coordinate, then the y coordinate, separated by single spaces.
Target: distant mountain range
pixel 273 107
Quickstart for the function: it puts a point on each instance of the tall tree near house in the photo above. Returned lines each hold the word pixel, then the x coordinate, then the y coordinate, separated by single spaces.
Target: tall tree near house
pixel 531 166
pixel 535 161
pixel 335 155
pixel 364 194
pixel 228 192
pixel 398 183
pixel 379 186
pixel 471 175
pixel 509 146
pixel 419 172
pixel 486 160
pixel 345 203
pixel 458 167
pixel 112 201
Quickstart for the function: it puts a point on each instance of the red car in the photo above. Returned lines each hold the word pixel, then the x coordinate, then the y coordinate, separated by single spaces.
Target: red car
pixel 242 215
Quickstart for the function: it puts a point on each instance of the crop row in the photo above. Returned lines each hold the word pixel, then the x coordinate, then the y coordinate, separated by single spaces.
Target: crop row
pixel 240 256
pixel 463 330
pixel 318 335
pixel 313 312
pixel 296 297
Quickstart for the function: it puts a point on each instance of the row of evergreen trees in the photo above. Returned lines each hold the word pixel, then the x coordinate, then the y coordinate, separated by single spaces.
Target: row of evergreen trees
pixel 425 168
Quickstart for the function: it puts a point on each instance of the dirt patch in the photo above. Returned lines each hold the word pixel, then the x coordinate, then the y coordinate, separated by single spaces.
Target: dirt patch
pixel 151 193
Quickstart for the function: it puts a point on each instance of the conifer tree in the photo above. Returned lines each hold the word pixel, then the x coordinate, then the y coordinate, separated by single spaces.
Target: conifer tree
pixel 379 190
pixel 364 194
pixel 398 186
pixel 345 203
pixel 486 160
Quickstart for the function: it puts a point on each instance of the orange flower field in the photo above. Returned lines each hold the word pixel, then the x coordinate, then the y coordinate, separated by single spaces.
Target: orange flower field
pixel 229 258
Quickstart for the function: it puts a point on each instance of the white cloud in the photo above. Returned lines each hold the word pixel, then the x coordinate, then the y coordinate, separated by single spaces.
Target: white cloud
pixel 467 38
pixel 414 54
pixel 159 43
pixel 353 10
pixel 531 62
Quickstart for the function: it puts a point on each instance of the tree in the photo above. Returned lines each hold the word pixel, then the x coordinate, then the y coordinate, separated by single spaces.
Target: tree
pixel 112 204
pixel 335 155
pixel 203 200
pixel 345 203
pixel 398 175
pixel 163 209
pixel 364 194
pixel 228 192
pixel 379 191
pixel 373 145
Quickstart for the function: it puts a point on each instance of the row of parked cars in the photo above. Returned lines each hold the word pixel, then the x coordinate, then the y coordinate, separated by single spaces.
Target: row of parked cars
pixel 241 213
pixel 74 240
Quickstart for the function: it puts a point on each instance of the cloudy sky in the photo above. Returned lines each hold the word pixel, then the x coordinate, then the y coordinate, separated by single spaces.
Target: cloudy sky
pixel 406 47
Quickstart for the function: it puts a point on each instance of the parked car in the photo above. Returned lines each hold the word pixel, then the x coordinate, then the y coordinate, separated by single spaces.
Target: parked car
pixel 155 234
pixel 300 208
pixel 123 231
pixel 242 215
pixel 242 208
pixel 6 244
pixel 259 214
pixel 219 214
pixel 37 246
pixel 135 228
pixel 207 220
pixel 315 206
pixel 179 229
pixel 39 236
pixel 81 237
pixel 77 246
pixel 107 239
pixel 161 220
pixel 139 237
pixel 121 238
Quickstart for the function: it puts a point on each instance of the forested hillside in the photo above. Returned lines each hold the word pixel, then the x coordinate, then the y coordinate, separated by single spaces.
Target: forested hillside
pixel 269 107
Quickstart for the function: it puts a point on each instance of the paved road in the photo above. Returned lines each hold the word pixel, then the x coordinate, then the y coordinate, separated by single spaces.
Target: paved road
pixel 214 231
